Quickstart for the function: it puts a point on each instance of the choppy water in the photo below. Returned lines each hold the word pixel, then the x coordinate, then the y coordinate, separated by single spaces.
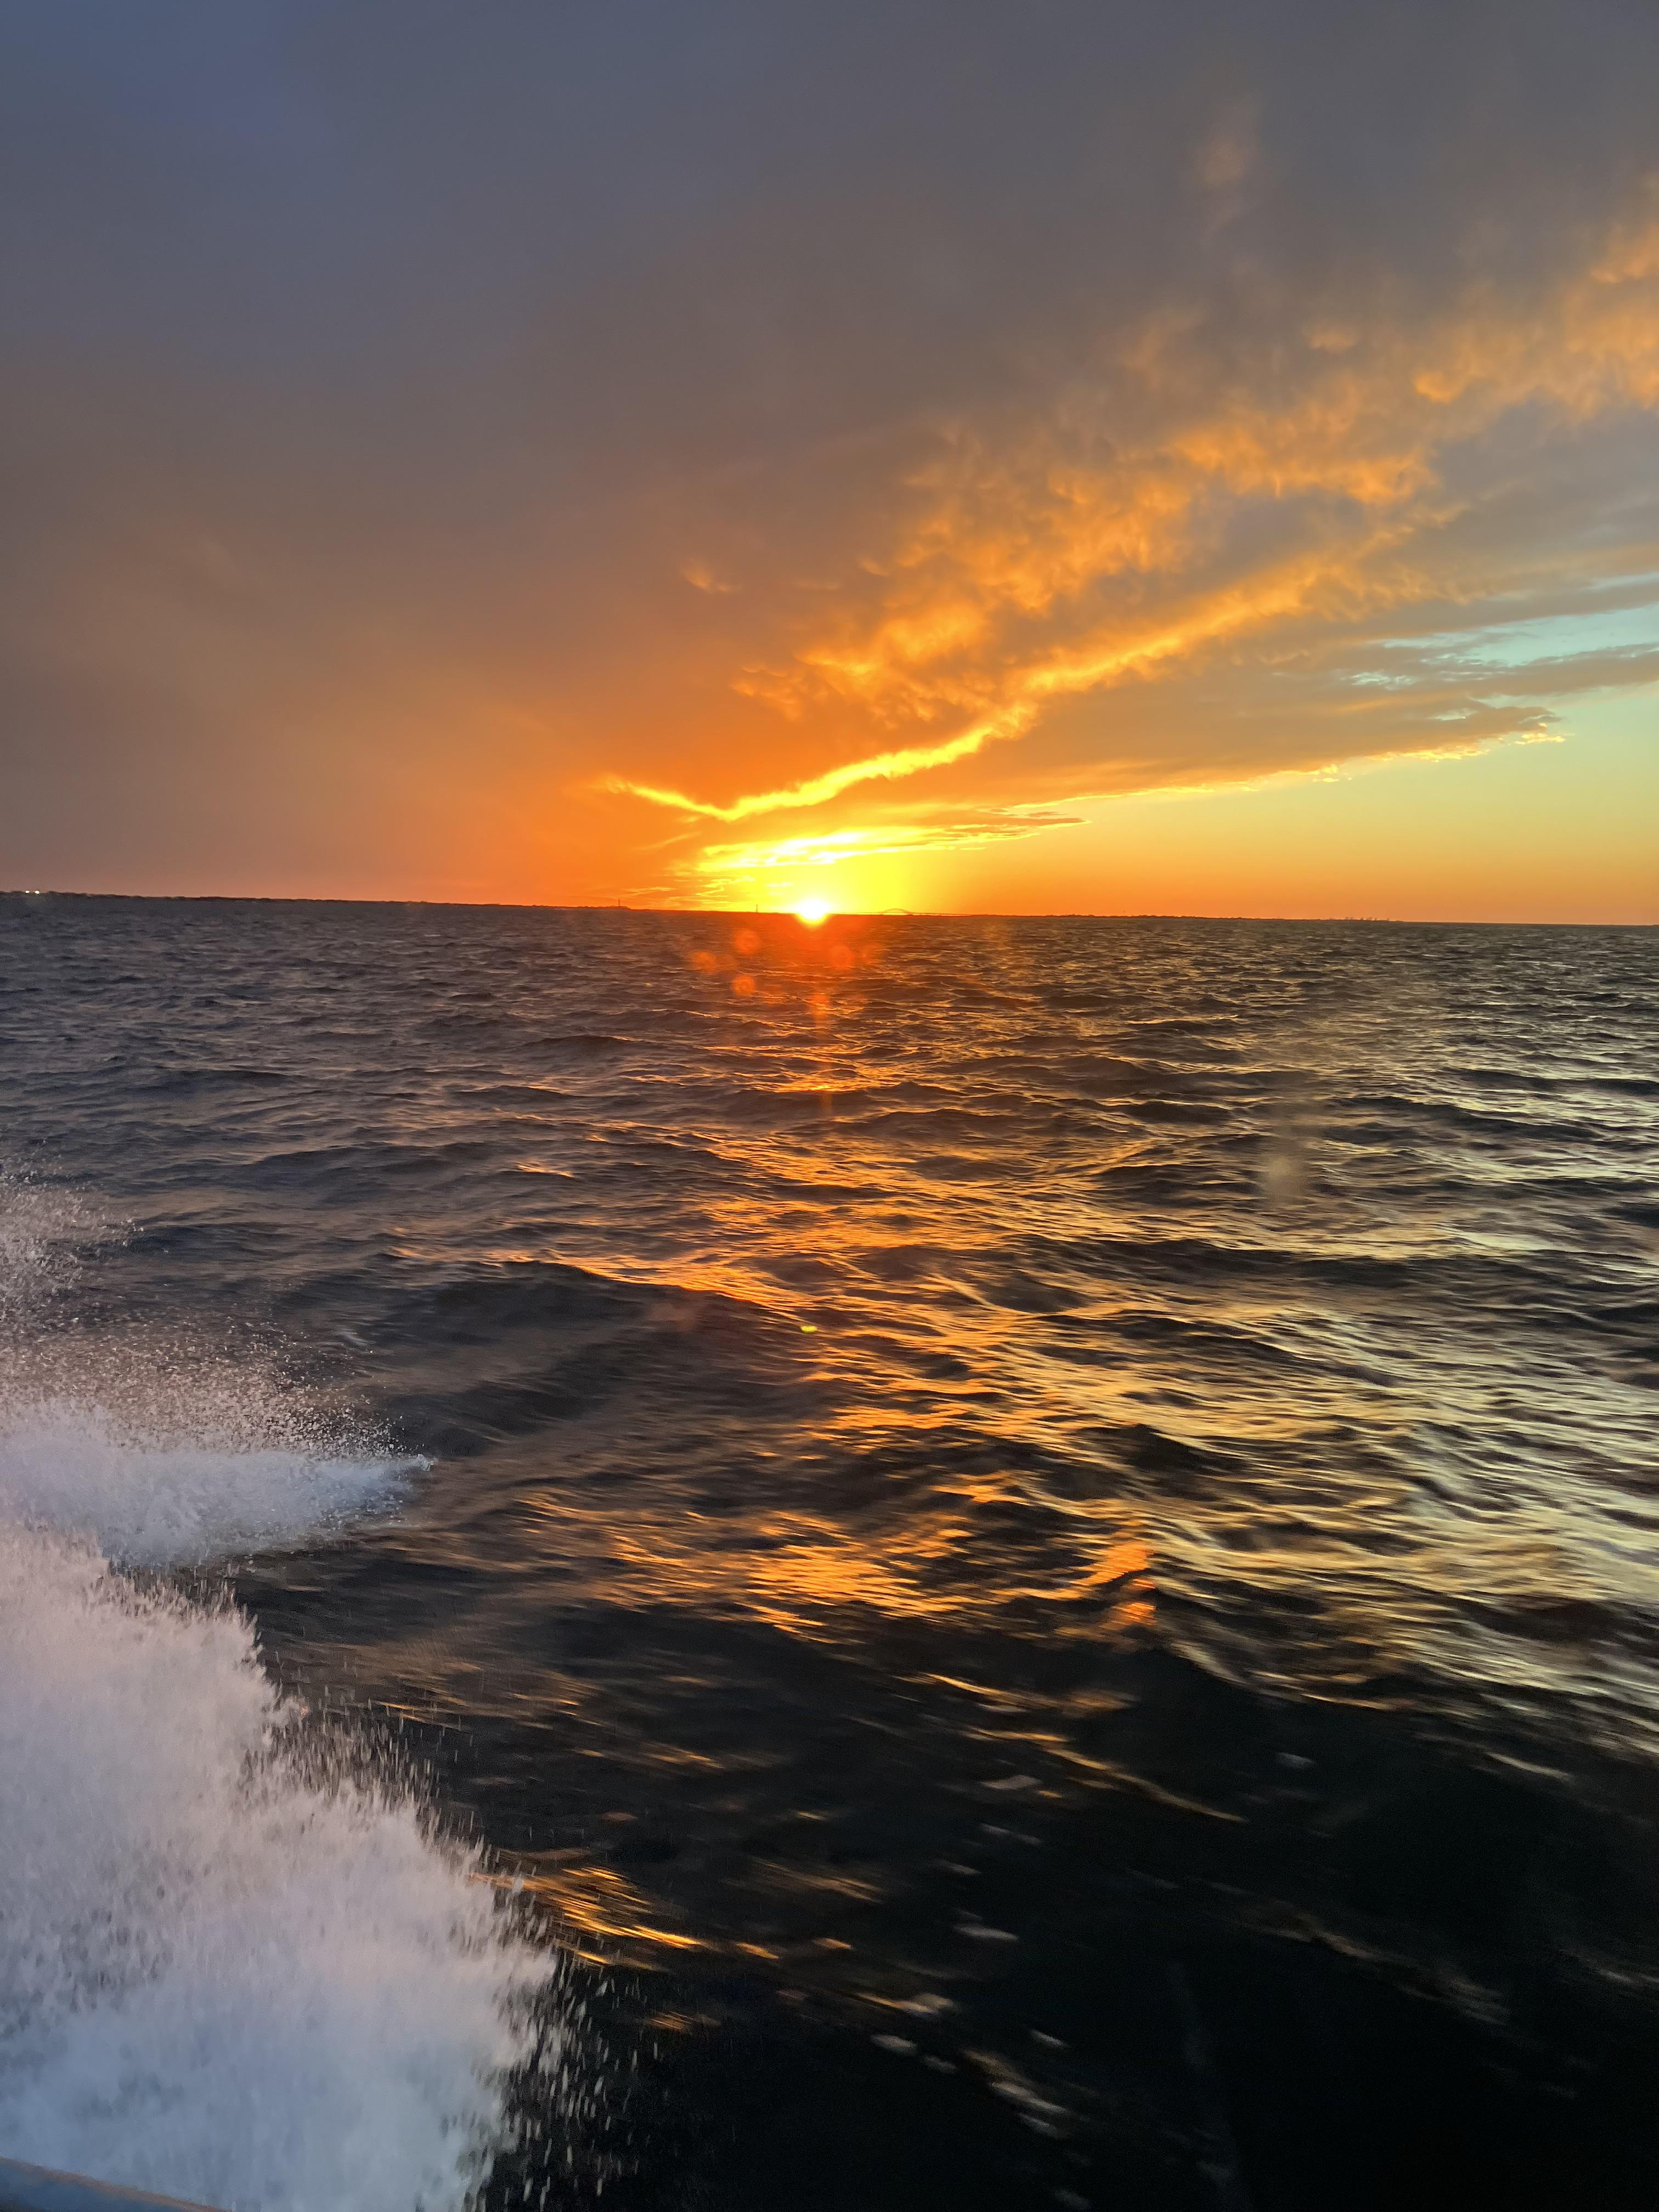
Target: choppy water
pixel 1037 1541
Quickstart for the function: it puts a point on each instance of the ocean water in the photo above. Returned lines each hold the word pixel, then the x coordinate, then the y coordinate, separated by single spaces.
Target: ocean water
pixel 684 1562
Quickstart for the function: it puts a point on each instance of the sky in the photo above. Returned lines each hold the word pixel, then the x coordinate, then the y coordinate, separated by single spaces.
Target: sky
pixel 1199 458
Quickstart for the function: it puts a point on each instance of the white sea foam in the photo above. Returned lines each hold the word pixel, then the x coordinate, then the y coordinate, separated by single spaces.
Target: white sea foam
pixel 220 1978
pixel 148 1499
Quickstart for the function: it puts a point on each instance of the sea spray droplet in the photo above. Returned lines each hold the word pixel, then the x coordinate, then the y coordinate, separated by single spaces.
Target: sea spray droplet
pixel 216 1981
pixel 76 1468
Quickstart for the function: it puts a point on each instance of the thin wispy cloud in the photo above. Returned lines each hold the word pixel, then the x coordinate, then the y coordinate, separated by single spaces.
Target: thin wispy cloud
pixel 1139 522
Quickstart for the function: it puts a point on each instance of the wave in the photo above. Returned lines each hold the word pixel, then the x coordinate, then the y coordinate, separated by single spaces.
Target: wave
pixel 231 1969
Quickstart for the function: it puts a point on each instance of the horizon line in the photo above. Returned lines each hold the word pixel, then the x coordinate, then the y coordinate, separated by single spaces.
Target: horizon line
pixel 788 913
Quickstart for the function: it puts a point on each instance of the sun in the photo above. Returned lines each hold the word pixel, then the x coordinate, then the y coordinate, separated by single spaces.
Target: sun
pixel 812 912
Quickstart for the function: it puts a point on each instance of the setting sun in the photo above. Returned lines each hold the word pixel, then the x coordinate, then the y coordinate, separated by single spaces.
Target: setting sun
pixel 812 912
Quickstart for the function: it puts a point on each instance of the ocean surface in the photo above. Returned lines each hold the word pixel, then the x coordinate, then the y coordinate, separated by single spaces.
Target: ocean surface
pixel 685 1562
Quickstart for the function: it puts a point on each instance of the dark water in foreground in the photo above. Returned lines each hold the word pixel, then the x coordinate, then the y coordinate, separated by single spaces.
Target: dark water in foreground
pixel 1038 1538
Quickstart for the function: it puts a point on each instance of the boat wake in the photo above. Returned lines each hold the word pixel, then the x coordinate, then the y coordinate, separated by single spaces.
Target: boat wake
pixel 229 1971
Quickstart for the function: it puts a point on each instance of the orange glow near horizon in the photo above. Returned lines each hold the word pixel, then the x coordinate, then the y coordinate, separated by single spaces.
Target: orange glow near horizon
pixel 812 912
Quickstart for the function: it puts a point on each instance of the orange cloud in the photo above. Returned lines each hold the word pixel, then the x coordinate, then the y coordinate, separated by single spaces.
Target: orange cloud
pixel 1181 495
pixel 887 767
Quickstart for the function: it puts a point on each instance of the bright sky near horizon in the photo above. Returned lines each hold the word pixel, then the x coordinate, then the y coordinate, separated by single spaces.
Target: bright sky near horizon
pixel 1198 458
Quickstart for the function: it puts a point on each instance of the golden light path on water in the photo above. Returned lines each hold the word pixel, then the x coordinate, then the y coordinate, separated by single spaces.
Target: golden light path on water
pixel 967 1283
